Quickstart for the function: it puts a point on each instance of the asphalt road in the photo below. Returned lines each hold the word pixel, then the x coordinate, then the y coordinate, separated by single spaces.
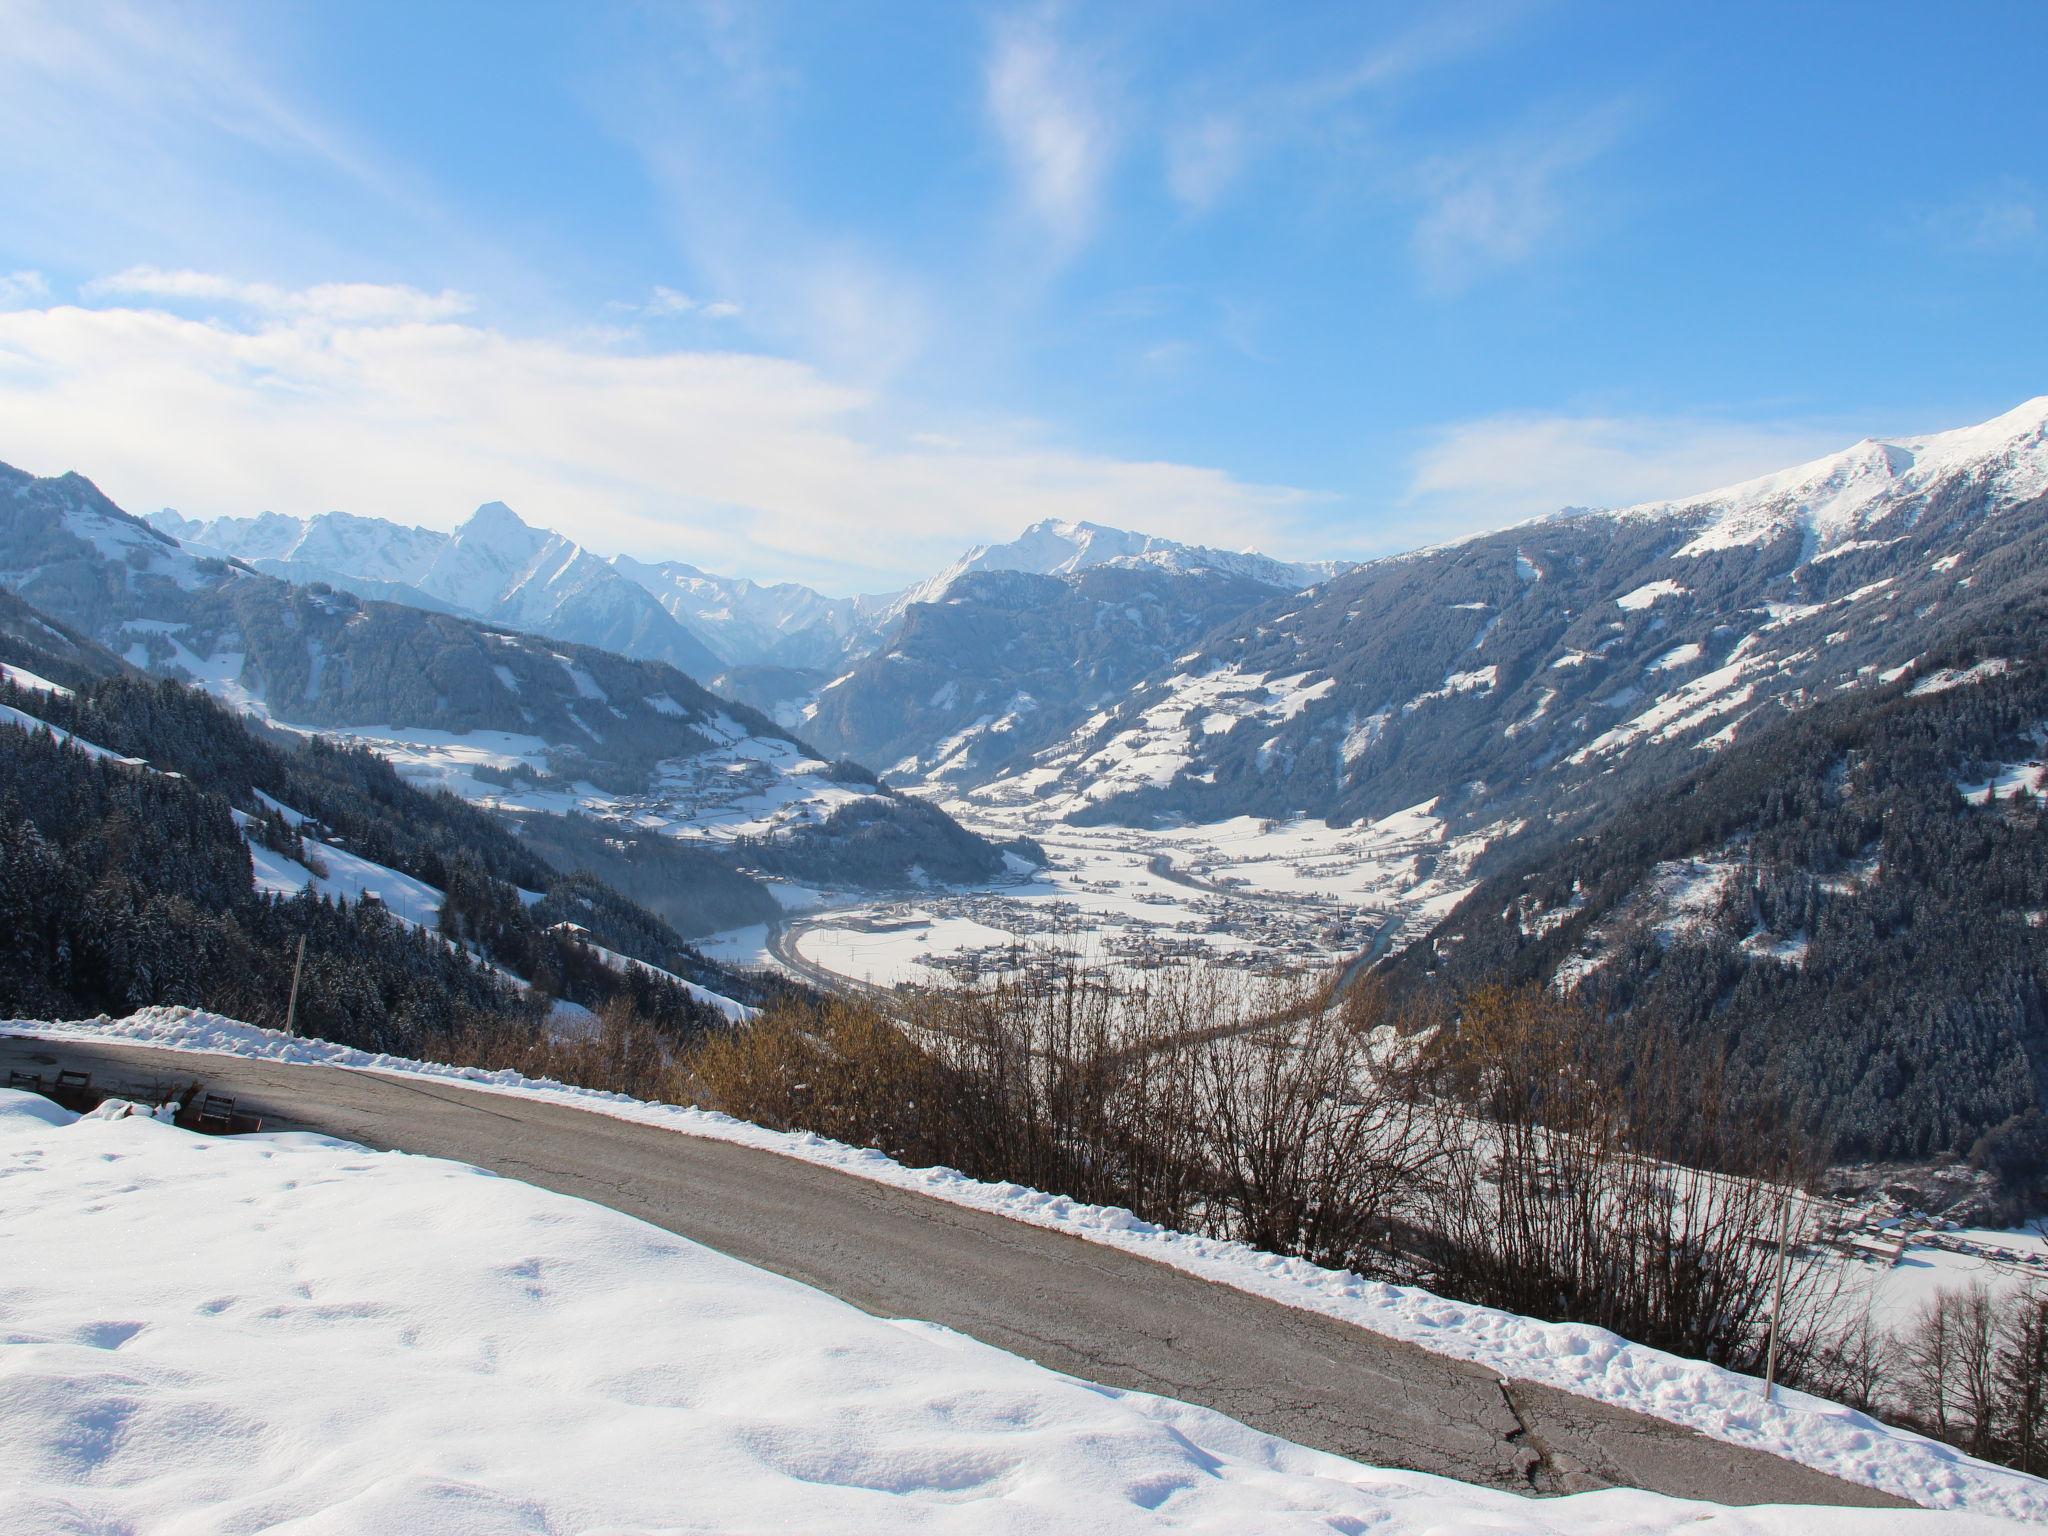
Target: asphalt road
pixel 1075 1306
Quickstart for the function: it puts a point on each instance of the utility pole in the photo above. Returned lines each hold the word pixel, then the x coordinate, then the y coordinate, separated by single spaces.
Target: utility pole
pixel 1777 1296
pixel 291 1008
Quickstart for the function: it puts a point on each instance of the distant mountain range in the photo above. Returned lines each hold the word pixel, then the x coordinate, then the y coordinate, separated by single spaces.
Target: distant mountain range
pixel 492 567
pixel 497 567
pixel 1539 669
pixel 534 728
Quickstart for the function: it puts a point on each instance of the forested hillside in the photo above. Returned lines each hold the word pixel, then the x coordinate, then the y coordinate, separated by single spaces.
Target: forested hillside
pixel 151 846
pixel 1002 663
pixel 1851 903
pixel 506 720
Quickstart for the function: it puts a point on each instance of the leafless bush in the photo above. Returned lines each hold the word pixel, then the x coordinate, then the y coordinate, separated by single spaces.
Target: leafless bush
pixel 1320 1133
pixel 625 1054
pixel 1974 1372
pixel 1951 1360
pixel 1855 1359
pixel 838 1068
pixel 1624 1192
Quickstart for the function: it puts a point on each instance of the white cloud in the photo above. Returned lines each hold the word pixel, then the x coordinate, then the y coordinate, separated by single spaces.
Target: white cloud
pixel 1203 158
pixel 1209 148
pixel 341 302
pixel 665 303
pixel 1045 103
pixel 1498 470
pixel 743 462
pixel 1496 205
pixel 2010 216
pixel 21 287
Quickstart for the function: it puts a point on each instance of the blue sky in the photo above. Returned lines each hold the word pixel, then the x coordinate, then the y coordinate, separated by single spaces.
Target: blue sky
pixel 827 291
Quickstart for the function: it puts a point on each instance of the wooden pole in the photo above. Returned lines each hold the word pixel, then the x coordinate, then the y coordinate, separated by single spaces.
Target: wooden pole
pixel 291 1008
pixel 1777 1296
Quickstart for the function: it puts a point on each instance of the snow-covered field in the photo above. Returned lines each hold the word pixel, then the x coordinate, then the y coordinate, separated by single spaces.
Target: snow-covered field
pixel 743 786
pixel 1293 895
pixel 1576 1358
pixel 290 1332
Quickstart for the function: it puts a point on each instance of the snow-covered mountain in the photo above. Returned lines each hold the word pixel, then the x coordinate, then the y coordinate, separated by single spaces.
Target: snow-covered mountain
pixel 1054 547
pixel 1004 662
pixel 750 623
pixel 524 724
pixel 1536 660
pixel 494 566
pixel 1833 501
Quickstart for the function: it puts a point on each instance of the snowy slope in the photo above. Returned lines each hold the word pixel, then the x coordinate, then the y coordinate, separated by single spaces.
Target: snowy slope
pixel 1534 674
pixel 1055 547
pixel 292 1332
pixel 750 623
pixel 1832 500
pixel 494 566
pixel 1573 1357
pixel 473 1353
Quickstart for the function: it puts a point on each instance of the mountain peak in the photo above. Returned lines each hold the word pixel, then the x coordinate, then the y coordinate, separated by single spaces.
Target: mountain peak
pixel 1832 497
pixel 493 518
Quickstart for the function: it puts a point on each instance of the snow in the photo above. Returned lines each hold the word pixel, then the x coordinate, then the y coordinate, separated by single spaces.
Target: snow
pixel 9 715
pixel 1479 680
pixel 1574 1357
pixel 1952 677
pixel 21 677
pixel 295 1332
pixel 1678 656
pixel 585 685
pixel 2006 781
pixel 348 877
pixel 738 1013
pixel 1685 708
pixel 1832 501
pixel 291 817
pixel 895 951
pixel 1648 594
pixel 744 947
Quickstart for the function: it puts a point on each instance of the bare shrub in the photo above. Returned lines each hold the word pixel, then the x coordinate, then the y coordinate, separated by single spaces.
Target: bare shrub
pixel 1319 1131
pixel 839 1068
pixel 2023 1379
pixel 1632 1195
pixel 625 1054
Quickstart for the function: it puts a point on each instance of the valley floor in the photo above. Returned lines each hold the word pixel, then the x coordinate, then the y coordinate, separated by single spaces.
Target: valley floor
pixel 1289 896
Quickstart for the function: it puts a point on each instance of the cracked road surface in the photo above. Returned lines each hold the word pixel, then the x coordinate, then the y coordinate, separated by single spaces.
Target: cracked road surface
pixel 1077 1307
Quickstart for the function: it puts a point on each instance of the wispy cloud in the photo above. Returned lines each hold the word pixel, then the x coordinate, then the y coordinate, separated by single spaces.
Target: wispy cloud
pixel 347 303
pixel 1204 156
pixel 1502 202
pixel 1210 145
pixel 702 98
pixel 747 462
pixel 123 119
pixel 1046 101
pixel 21 288
pixel 1496 470
pixel 2010 216
pixel 665 303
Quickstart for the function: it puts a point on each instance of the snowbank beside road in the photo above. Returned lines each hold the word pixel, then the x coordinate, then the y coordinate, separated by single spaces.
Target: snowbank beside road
pixel 1591 1362
pixel 291 1331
